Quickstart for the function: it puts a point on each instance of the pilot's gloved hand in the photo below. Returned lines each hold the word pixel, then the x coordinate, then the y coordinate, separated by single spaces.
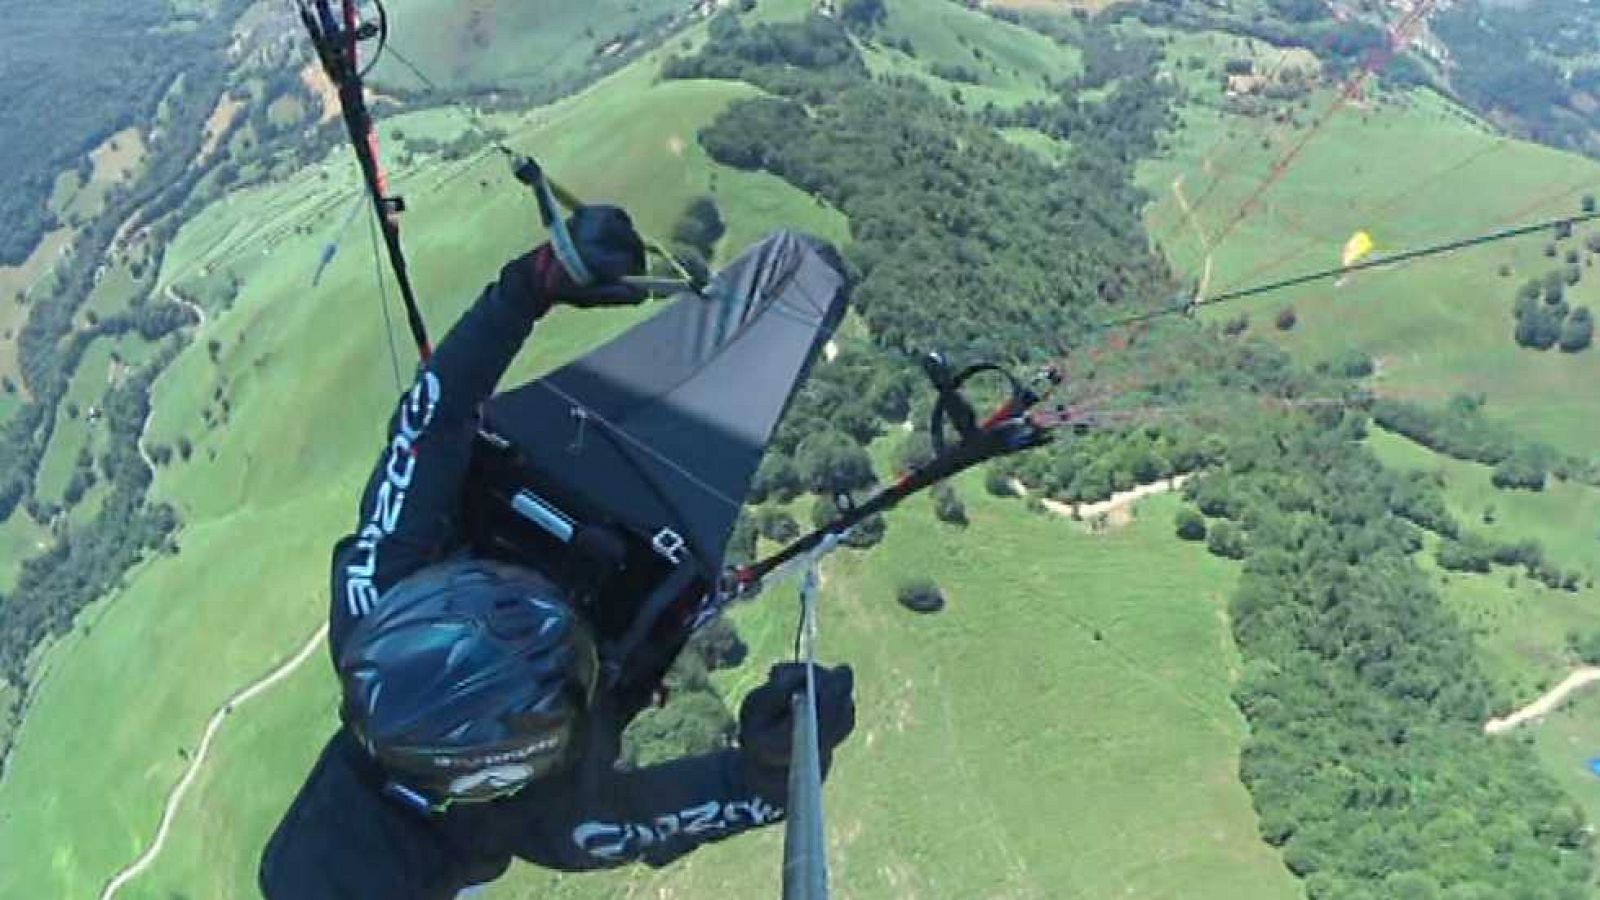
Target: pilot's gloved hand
pixel 605 239
pixel 766 722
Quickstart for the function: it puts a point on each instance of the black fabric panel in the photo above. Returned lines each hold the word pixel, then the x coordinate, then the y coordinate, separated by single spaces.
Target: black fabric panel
pixel 680 408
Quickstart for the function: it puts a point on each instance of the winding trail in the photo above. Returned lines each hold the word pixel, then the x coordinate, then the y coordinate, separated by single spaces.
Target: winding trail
pixel 213 725
pixel 181 300
pixel 1200 235
pixel 144 452
pixel 1546 704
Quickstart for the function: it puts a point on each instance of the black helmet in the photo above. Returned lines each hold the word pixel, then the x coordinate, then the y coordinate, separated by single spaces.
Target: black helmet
pixel 468 680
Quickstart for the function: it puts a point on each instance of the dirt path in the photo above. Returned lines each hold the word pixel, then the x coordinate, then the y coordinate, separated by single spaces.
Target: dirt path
pixel 144 452
pixel 1546 704
pixel 1200 235
pixel 213 725
pixel 1115 504
pixel 197 309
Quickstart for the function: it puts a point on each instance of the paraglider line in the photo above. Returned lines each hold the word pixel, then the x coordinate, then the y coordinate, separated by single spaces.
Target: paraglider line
pixel 383 305
pixel 1186 306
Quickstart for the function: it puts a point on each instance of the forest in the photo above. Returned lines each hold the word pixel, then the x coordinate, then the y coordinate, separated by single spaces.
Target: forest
pixel 120 59
pixel 1364 695
pixel 1537 71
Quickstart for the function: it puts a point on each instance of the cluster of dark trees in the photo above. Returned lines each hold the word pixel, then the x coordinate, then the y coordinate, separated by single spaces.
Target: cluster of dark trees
pixel 1364 693
pixel 800 59
pixel 696 718
pixel 1461 430
pixel 960 239
pixel 1478 554
pixel 1545 320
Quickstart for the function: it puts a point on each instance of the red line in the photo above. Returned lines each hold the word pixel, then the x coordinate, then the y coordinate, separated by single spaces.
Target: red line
pixel 1399 38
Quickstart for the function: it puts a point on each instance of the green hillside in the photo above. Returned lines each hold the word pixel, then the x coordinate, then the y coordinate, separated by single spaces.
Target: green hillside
pixel 264 495
pixel 1285 704
pixel 1436 327
pixel 496 44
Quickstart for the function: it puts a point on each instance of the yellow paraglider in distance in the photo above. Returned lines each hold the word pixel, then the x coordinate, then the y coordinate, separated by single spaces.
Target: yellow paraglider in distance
pixel 1357 248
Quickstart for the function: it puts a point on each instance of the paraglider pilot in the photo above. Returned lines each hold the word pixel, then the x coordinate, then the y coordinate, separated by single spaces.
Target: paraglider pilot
pixel 468 685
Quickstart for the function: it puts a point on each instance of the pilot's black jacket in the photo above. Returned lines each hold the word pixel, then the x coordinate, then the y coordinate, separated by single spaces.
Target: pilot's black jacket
pixel 343 837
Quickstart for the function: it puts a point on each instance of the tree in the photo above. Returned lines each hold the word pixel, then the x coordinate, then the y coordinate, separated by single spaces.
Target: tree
pixel 998 482
pixel 921 595
pixel 1554 287
pixel 742 542
pixel 1520 471
pixel 700 226
pixel 692 723
pixel 830 463
pixel 777 525
pixel 1354 364
pixel 1226 540
pixel 1191 525
pixel 777 479
pixel 863 15
pixel 868 533
pixel 914 452
pixel 947 505
pixel 1585 646
pixel 719 645
pixel 1588 204
pixel 1538 328
pixel 1578 332
pixel 1287 319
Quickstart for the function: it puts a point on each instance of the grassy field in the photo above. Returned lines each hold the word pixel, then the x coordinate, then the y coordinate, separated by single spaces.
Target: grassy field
pixel 927 799
pixel 1521 625
pixel 20 537
pixel 73 433
pixel 116 161
pixel 1013 65
pixel 1438 326
pixel 1007 746
pixel 20 281
pixel 496 43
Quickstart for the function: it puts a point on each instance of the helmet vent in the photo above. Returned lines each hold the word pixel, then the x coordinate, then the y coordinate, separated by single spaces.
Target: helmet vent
pixel 514 619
